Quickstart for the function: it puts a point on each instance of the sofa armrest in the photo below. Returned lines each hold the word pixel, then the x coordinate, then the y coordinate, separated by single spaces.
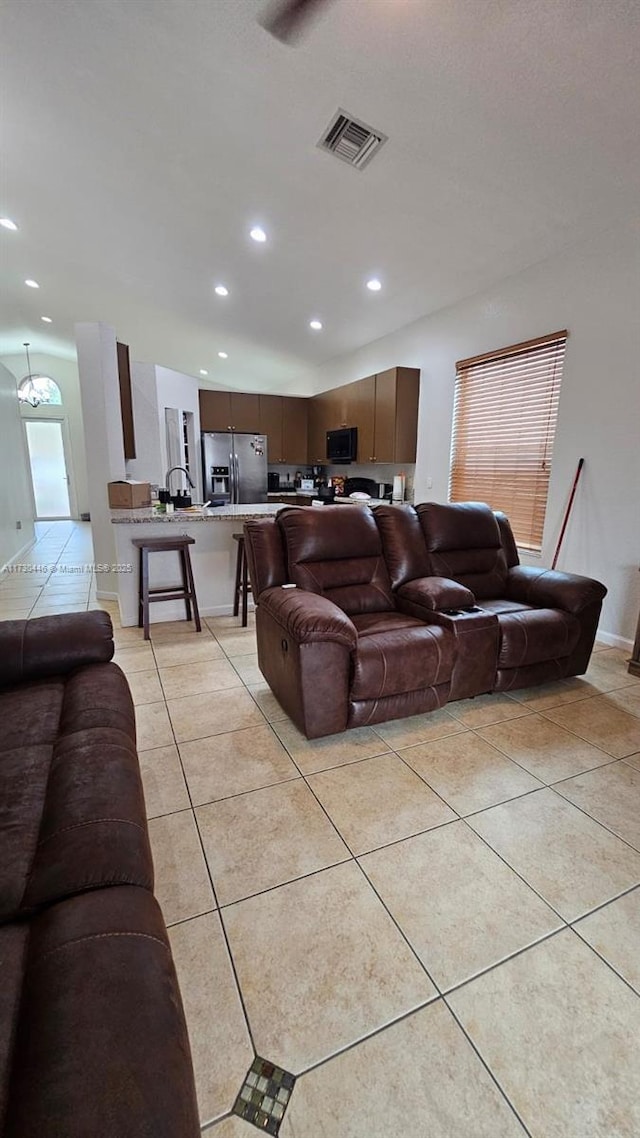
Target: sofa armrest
pixel 308 617
pixel 551 589
pixel 53 645
pixel 437 593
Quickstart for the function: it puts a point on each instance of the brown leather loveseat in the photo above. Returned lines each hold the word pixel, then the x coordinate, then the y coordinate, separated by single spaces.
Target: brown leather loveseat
pixel 364 616
pixel 92 1033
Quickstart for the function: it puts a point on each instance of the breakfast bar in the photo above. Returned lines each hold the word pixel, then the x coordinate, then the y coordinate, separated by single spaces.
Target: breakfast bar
pixel 213 556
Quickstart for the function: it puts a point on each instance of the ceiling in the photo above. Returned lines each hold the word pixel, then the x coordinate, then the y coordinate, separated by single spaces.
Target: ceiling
pixel 141 139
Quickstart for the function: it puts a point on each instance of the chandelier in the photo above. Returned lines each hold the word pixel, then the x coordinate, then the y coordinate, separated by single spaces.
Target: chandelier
pixel 27 392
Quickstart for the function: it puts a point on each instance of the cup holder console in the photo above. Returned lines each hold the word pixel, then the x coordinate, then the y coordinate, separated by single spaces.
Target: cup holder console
pixel 463 611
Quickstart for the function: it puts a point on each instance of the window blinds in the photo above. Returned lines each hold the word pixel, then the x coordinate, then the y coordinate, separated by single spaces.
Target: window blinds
pixel 504 421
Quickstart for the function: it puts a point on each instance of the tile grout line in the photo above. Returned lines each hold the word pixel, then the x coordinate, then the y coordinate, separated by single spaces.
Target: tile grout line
pixel 604 959
pixel 210 877
pixel 487 1068
pixel 586 813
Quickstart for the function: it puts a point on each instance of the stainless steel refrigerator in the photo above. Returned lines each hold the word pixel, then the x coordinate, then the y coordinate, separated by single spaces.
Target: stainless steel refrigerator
pixel 234 466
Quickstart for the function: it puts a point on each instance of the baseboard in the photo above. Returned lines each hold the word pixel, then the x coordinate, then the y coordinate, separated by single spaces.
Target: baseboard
pixel 613 641
pixel 102 596
pixel 174 610
pixel 21 552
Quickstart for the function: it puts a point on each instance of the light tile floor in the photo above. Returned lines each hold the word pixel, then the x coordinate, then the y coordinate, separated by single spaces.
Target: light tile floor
pixel 433 923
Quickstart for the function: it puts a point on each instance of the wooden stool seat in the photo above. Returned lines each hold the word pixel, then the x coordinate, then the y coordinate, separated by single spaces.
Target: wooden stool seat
pixel 242 588
pixel 186 591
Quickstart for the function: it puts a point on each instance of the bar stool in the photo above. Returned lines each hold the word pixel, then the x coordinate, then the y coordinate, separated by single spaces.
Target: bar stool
pixel 180 544
pixel 243 588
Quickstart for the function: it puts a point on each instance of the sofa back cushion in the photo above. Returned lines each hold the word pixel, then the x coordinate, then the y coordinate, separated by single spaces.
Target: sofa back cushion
pixel 265 554
pixel 464 542
pixel 405 551
pixel 336 551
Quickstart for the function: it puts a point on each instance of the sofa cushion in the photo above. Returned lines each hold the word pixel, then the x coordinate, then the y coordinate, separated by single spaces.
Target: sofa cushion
pixel 101 1044
pixel 402 659
pixel 13 952
pixel 35 649
pixel 436 594
pixel 72 813
pixel 405 551
pixel 369 623
pixel 24 772
pixel 337 552
pixel 464 542
pixel 30 713
pixel 499 606
pixel 536 635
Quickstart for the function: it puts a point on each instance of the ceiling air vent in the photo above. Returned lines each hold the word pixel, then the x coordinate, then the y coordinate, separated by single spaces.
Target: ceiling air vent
pixel 351 140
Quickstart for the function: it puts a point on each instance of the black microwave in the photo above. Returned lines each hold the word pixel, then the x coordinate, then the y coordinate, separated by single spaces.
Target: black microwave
pixel 342 445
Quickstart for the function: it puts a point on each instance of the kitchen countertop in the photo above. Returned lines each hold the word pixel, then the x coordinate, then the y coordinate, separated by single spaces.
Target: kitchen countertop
pixel 228 513
pixel 339 500
pixel 185 517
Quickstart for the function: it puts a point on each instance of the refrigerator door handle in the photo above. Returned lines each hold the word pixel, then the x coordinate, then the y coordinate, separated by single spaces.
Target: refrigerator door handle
pixel 237 477
pixel 232 479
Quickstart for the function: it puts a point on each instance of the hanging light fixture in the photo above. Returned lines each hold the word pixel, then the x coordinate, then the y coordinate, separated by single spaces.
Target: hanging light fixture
pixel 28 392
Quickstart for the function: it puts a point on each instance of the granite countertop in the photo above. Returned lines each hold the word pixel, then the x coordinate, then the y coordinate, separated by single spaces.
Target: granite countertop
pixel 223 513
pixel 186 517
pixel 339 499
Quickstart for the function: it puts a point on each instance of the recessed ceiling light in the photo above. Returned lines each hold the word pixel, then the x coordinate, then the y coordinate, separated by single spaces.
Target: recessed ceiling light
pixel 221 290
pixel 47 319
pixel 316 325
pixel 223 355
pixel 7 223
pixel 32 284
pixel 374 284
pixel 203 371
pixel 258 234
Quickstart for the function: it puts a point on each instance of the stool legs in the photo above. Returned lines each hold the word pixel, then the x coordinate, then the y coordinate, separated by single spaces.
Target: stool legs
pixel 145 594
pixel 191 599
pixel 242 586
pixel 245 587
pixel 236 592
pixel 143 604
pixel 185 581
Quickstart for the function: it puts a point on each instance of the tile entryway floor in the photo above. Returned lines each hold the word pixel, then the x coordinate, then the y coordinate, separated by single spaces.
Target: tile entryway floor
pixel 434 924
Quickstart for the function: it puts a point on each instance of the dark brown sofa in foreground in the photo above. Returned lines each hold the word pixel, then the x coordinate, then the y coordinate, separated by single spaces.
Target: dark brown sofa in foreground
pixel 368 615
pixel 92 1033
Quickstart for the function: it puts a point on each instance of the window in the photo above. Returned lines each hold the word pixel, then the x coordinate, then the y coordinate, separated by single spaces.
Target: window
pixel 38 389
pixel 504 422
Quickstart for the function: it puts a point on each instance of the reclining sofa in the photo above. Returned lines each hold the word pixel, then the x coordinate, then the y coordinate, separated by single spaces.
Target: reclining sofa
pixel 92 1033
pixel 368 615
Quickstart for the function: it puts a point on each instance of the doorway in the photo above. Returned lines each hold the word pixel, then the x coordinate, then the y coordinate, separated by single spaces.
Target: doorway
pixel 49 475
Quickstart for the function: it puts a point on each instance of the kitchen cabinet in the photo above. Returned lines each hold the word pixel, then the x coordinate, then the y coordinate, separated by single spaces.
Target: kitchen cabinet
pixel 295 415
pixel 126 401
pixel 270 419
pixel 321 413
pixel 384 408
pixel 361 414
pixel 245 412
pixel 396 415
pixel 215 410
pixel 283 419
pixel 229 411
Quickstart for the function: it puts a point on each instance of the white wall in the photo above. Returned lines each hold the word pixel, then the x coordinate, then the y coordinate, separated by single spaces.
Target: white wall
pixel 593 290
pixel 147 465
pixel 65 374
pixel 15 495
pixel 181 392
pixel 100 393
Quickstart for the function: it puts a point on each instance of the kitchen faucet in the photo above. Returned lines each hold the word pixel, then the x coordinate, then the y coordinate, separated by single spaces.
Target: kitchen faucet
pixel 184 471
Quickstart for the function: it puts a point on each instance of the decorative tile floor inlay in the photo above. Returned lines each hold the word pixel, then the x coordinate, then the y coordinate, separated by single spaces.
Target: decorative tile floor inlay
pixel 264 1095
